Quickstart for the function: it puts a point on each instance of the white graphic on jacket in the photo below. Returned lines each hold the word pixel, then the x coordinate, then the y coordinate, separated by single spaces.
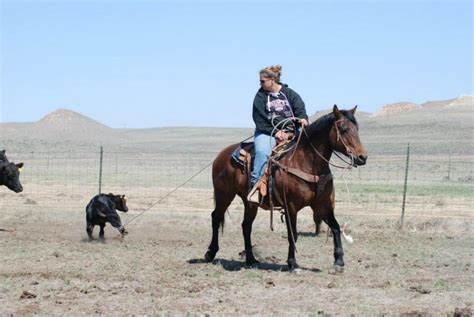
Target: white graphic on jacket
pixel 277 106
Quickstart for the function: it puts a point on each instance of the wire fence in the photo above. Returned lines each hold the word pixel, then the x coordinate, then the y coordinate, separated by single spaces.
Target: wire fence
pixel 437 186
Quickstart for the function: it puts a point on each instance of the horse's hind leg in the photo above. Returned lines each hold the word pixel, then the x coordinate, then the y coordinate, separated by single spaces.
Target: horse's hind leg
pixel 222 202
pixel 317 222
pixel 249 216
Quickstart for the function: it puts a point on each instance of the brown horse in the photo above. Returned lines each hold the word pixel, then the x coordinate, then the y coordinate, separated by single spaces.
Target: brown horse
pixel 336 131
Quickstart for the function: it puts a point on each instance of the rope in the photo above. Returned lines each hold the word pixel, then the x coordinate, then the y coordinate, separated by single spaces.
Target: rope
pixel 279 149
pixel 168 194
pixel 175 189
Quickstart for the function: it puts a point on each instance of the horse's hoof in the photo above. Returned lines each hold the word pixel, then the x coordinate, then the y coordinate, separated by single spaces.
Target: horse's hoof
pixel 209 257
pixel 338 269
pixel 253 264
pixel 293 266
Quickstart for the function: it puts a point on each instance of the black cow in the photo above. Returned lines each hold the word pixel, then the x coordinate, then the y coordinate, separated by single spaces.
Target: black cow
pixel 10 173
pixel 101 209
pixel 3 157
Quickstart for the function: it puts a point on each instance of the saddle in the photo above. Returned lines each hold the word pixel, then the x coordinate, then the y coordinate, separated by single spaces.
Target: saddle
pixel 243 156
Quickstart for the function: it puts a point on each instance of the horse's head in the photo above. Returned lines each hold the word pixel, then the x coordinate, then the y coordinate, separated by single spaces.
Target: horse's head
pixel 344 136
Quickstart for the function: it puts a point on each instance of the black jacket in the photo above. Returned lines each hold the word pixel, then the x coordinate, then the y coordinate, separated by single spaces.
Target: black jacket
pixel 268 106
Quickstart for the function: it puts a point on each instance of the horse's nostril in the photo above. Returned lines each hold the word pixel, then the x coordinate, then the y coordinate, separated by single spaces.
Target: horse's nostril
pixel 362 159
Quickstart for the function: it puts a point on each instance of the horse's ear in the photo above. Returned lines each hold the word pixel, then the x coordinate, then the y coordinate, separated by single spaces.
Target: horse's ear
pixel 19 165
pixel 353 110
pixel 337 113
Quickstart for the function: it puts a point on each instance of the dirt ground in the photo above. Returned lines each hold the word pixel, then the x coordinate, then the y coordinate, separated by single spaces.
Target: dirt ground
pixel 49 267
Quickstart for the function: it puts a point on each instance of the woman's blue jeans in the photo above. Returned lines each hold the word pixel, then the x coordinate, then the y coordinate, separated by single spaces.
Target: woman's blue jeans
pixel 264 144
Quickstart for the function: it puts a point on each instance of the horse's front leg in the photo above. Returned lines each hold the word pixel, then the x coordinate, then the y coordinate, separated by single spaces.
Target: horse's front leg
pixel 290 219
pixel 336 234
pixel 249 216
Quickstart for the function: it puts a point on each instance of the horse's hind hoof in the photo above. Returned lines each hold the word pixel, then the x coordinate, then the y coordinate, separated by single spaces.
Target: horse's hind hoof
pixel 338 269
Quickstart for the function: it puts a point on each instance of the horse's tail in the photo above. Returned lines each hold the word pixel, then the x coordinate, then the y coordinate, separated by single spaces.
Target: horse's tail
pixel 221 218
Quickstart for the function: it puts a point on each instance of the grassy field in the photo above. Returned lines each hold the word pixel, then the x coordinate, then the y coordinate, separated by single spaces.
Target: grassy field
pixel 49 267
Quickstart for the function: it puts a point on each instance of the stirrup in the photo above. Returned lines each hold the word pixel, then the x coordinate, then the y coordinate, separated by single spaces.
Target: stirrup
pixel 254 194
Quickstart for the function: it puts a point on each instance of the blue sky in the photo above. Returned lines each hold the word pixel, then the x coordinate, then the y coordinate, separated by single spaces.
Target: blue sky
pixel 139 64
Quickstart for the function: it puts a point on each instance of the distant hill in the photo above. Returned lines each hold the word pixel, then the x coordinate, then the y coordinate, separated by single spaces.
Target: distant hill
pixel 69 121
pixel 62 128
pixel 433 127
pixel 395 109
pixel 461 104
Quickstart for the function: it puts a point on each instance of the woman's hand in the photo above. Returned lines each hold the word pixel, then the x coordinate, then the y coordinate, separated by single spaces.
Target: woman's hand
pixel 303 122
pixel 281 136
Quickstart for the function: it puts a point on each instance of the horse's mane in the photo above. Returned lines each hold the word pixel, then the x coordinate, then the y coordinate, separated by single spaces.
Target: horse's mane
pixel 325 122
pixel 320 125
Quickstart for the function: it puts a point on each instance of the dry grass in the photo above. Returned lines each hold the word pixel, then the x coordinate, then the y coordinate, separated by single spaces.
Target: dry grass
pixel 158 267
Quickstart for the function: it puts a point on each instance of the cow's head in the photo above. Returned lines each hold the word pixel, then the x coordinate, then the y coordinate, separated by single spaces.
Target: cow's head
pixel 10 176
pixel 120 202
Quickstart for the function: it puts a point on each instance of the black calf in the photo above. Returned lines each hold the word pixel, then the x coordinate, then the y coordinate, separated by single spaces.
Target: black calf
pixel 101 209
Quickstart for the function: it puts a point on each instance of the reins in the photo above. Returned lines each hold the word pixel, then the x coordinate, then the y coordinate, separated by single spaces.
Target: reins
pixel 323 158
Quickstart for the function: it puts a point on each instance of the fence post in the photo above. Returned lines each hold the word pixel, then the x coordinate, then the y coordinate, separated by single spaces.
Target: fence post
pixel 100 168
pixel 449 165
pixel 405 187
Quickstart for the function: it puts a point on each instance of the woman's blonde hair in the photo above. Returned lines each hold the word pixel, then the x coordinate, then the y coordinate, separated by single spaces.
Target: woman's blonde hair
pixel 273 72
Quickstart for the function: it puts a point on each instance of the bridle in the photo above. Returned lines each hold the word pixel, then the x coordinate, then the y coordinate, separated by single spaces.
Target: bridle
pixel 348 148
pixel 338 137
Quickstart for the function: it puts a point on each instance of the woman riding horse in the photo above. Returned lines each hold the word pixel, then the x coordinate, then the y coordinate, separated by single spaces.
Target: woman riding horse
pixel 334 132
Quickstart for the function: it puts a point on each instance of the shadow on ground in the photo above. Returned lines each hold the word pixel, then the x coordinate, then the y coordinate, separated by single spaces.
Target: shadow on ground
pixel 233 265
